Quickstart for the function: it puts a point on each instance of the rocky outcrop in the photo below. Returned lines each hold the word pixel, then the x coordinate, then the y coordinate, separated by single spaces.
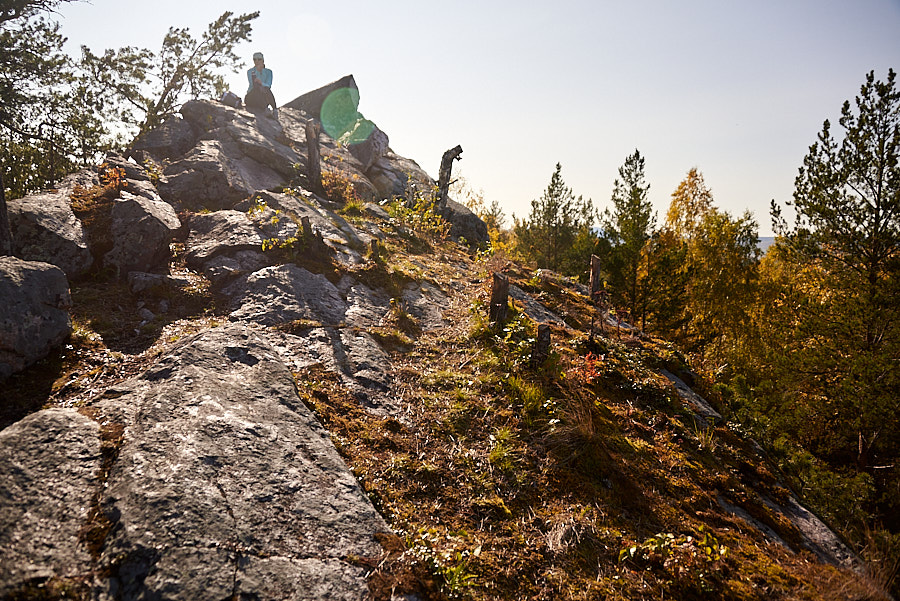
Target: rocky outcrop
pixel 285 293
pixel 172 139
pixel 130 228
pixel 45 229
pixel 216 482
pixel 34 319
pixel 141 230
pixel 238 154
pixel 220 234
pixel 464 223
pixel 311 102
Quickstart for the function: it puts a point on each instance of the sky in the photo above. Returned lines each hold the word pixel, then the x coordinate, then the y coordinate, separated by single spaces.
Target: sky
pixel 737 89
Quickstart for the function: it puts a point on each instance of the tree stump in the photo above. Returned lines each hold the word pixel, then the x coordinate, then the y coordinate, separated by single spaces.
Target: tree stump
pixel 373 249
pixel 444 177
pixel 541 349
pixel 499 308
pixel 313 161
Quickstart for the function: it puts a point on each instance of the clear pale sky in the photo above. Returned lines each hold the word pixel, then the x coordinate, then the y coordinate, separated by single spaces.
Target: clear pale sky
pixel 737 89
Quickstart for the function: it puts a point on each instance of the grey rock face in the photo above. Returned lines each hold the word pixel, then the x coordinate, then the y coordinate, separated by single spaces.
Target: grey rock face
pixel 366 307
pixel 238 154
pixel 534 309
pixel 171 140
pixel 464 223
pixel 226 485
pixel 696 403
pixel 220 233
pixel 364 368
pixel 285 293
pixel 49 463
pixel 142 229
pixel 426 302
pixel 392 174
pixel 44 228
pixel 311 102
pixel 34 318
pixel 337 233
pixel 206 179
pixel 371 149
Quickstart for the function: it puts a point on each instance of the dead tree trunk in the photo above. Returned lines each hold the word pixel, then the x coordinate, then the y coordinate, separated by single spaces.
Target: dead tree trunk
pixel 499 308
pixel 313 163
pixel 444 177
pixel 541 349
pixel 5 232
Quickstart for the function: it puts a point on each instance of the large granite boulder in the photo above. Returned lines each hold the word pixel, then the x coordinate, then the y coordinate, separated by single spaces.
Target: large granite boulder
pixel 170 140
pixel 34 318
pixel 44 228
pixel 49 463
pixel 226 486
pixel 311 102
pixel 396 176
pixel 141 229
pixel 464 223
pixel 239 153
pixel 214 176
pixel 205 477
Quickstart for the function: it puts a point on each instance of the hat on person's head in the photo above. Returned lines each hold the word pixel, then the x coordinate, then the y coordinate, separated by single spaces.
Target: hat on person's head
pixel 258 56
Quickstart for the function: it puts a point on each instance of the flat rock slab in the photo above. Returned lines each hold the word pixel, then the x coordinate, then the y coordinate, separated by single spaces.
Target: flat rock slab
pixel 426 302
pixel 533 309
pixel 364 368
pixel 694 401
pixel 49 465
pixel 226 486
pixel 285 293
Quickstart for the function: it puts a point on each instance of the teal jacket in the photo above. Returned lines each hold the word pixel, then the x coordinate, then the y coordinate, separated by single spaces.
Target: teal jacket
pixel 265 76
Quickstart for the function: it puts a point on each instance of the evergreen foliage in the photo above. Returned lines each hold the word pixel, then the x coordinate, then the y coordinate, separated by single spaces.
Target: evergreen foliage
pixel 57 116
pixel 836 280
pixel 141 88
pixel 628 227
pixel 45 129
pixel 557 232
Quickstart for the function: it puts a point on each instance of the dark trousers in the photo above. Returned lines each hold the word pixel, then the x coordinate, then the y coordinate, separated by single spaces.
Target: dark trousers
pixel 259 97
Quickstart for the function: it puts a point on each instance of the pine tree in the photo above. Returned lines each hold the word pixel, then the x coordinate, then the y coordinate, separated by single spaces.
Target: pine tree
pixel 628 227
pixel 557 233
pixel 845 253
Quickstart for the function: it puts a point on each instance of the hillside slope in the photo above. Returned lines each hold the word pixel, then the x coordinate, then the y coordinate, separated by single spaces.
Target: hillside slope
pixel 283 413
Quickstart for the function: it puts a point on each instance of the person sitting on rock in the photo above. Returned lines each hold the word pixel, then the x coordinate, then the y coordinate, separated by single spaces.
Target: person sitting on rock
pixel 259 96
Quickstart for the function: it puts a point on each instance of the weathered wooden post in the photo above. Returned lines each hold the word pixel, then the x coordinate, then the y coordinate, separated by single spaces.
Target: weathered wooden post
pixel 306 228
pixel 5 232
pixel 499 298
pixel 444 177
pixel 313 162
pixel 541 349
pixel 373 249
pixel 596 286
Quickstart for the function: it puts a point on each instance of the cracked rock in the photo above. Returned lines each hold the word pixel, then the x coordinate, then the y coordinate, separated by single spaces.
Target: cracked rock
pixel 226 485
